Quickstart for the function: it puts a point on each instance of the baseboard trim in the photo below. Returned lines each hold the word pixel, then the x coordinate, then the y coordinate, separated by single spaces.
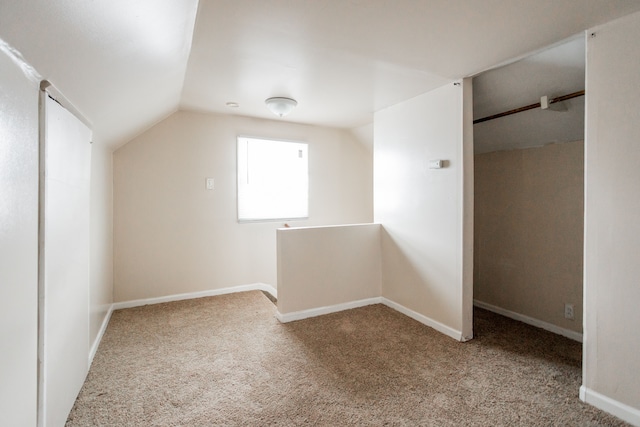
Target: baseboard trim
pixel 103 329
pixel 444 329
pixel 178 297
pixel 576 336
pixel 321 311
pixel 607 404
pixel 191 295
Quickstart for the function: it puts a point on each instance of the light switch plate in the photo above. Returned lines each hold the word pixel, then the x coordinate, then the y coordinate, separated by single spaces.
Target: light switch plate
pixel 209 183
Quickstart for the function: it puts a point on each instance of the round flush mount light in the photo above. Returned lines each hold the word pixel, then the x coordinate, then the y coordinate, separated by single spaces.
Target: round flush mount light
pixel 281 106
pixel 233 105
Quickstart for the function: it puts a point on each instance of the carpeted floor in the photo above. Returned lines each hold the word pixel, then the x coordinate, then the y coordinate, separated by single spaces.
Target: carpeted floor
pixel 226 361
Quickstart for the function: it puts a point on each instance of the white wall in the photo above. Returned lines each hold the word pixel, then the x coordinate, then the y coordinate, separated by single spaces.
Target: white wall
pixel 612 220
pixel 18 245
pixel 101 223
pixel 19 123
pixel 327 266
pixel 427 213
pixel 172 236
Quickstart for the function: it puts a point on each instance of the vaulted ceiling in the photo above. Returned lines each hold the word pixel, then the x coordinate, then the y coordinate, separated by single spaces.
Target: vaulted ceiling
pixel 127 64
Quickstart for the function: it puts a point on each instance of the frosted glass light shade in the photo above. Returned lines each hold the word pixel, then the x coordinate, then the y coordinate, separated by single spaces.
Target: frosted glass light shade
pixel 281 106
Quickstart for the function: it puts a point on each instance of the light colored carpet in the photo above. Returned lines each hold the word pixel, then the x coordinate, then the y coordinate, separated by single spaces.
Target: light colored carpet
pixel 226 361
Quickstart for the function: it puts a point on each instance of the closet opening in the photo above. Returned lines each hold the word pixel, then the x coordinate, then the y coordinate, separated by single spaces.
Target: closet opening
pixel 529 189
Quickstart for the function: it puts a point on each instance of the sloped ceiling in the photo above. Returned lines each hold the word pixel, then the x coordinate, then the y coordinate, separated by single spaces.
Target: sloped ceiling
pixel 120 62
pixel 557 71
pixel 126 64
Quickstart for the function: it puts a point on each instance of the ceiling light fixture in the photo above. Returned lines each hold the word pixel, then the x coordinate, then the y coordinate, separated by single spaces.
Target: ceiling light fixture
pixel 281 106
pixel 233 105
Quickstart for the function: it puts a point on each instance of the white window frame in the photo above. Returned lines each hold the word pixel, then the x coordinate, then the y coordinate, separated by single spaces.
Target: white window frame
pixel 270 194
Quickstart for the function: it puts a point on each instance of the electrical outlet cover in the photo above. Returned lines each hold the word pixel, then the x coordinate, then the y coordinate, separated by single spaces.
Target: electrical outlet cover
pixel 568 311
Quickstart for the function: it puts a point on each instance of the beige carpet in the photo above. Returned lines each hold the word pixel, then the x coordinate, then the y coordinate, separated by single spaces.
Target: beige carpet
pixel 226 361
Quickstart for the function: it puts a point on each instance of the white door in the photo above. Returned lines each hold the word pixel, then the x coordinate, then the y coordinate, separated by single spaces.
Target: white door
pixel 64 264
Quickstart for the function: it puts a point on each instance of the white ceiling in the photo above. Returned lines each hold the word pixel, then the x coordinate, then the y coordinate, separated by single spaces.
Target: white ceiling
pixel 127 64
pixel 120 62
pixel 557 71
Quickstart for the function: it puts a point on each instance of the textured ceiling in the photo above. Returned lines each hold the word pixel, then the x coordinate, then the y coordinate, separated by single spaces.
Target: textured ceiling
pixel 127 64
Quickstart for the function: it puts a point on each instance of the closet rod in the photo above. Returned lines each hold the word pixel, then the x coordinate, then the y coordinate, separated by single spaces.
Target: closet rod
pixel 530 107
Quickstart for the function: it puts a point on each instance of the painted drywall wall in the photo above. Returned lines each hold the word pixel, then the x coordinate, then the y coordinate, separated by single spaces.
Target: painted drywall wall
pixel 101 223
pixel 425 267
pixel 18 245
pixel 364 134
pixel 612 223
pixel 173 236
pixel 327 266
pixel 529 231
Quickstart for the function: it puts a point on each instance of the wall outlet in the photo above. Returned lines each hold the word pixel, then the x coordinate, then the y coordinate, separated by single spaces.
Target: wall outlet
pixel 568 311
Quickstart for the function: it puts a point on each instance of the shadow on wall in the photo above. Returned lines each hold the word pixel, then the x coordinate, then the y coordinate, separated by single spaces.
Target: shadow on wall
pixel 529 210
pixel 323 270
pixel 417 272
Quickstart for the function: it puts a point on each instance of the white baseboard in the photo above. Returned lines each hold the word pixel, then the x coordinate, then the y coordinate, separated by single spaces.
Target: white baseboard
pixel 444 329
pixel 607 404
pixel 178 297
pixel 576 336
pixel 320 311
pixel 103 328
pixel 210 293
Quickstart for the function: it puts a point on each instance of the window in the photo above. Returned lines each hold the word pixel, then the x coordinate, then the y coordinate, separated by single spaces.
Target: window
pixel 273 180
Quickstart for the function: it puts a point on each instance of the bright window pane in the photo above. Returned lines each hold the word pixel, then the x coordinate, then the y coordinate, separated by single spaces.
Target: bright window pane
pixel 273 180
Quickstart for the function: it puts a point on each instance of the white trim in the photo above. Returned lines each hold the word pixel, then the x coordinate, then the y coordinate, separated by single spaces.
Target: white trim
pixel 103 329
pixel 607 404
pixel 311 227
pixel 137 303
pixel 576 336
pixel 56 95
pixel 444 329
pixel 320 311
pixel 210 293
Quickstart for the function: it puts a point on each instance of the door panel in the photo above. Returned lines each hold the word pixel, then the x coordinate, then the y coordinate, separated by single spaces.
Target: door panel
pixel 65 265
